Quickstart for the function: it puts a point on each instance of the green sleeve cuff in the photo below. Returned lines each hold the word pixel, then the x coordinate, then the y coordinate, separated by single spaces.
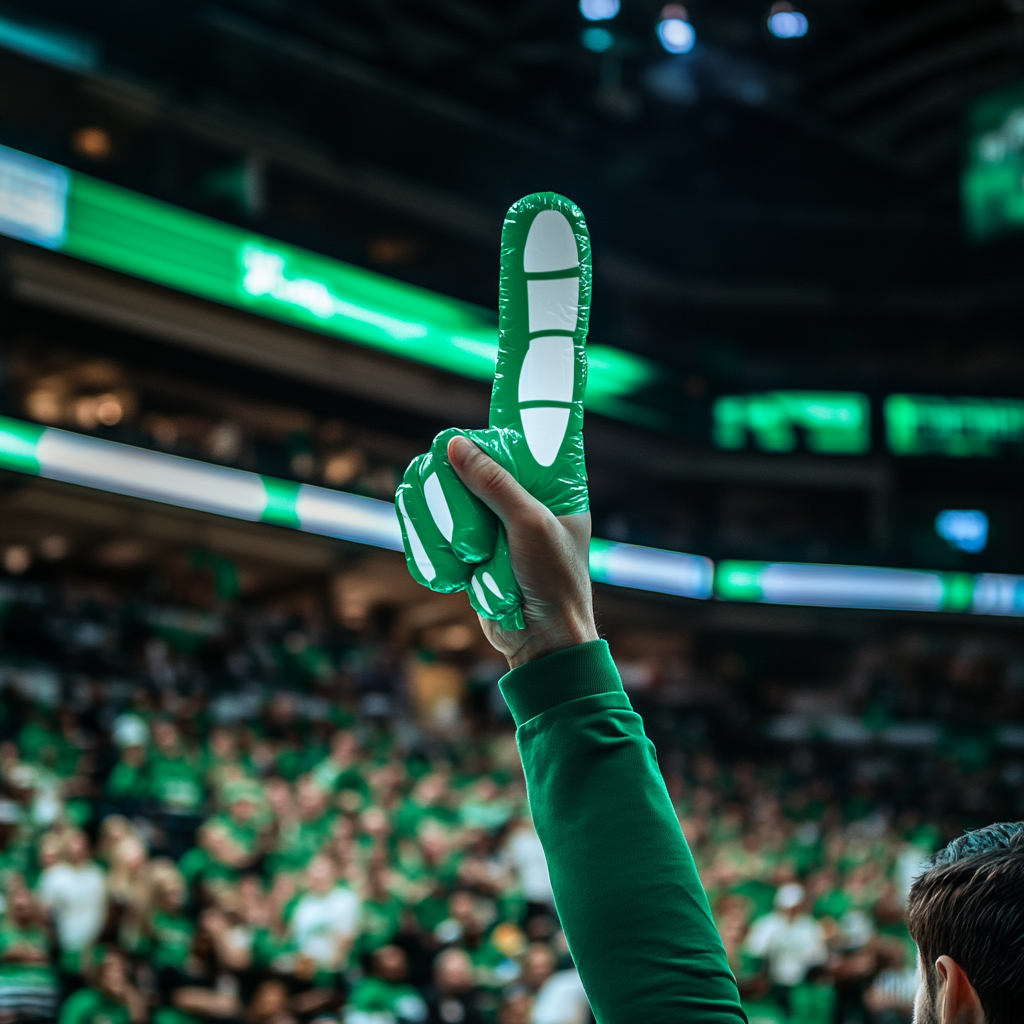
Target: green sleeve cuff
pixel 540 685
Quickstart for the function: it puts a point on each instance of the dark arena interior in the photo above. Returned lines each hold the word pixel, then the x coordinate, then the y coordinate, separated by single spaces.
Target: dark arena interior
pixel 249 255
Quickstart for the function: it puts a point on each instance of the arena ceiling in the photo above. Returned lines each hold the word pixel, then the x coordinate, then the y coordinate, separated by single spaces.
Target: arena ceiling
pixel 766 211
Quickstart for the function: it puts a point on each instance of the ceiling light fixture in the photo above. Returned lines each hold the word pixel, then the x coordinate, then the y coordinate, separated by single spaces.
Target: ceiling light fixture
pixel 599 10
pixel 675 31
pixel 786 23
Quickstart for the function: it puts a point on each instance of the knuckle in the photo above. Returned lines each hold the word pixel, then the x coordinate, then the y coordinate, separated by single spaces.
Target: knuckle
pixel 491 475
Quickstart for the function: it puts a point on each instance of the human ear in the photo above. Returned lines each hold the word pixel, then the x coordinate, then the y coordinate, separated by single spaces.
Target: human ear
pixel 958 1003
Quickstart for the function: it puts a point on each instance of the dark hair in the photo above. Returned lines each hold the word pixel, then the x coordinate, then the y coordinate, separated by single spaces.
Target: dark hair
pixel 969 905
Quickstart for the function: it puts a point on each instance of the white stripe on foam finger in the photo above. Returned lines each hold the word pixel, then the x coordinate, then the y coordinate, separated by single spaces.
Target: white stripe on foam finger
pixel 419 552
pixel 438 505
pixel 480 595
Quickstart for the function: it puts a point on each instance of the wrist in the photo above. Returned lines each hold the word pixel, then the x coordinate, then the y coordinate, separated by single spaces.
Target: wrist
pixel 541 643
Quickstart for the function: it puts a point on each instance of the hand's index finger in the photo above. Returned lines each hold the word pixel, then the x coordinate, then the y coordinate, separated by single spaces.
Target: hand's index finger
pixel 541 370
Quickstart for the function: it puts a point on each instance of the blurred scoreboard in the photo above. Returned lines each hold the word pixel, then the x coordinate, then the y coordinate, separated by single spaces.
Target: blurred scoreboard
pixel 993 178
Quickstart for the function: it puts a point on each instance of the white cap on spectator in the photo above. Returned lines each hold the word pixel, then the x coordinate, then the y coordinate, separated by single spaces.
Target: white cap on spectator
pixel 789 896
pixel 130 731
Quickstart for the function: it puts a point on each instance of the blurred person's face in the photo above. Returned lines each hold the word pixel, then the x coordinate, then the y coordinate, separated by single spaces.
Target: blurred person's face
pixel 310 797
pixel 165 736
pixel 49 851
pixel 282 710
pixel 461 906
pixel 320 876
pixel 243 811
pixel 130 854
pixel 279 796
pixel 375 822
pixel 134 756
pixel 20 903
pixel 453 972
pixel 433 844
pixel 391 963
pixel 430 790
pixel 222 743
pixel 112 978
pixel 77 847
pixel 343 745
pixel 249 888
pixel 269 1000
pixel 538 966
pixel 515 1010
pixel 170 897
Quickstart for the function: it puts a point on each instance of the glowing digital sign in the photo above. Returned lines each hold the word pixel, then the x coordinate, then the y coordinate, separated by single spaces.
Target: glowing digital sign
pixel 959 427
pixel 831 422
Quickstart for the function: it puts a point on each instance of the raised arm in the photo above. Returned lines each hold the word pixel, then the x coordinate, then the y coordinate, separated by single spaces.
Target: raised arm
pixel 626 888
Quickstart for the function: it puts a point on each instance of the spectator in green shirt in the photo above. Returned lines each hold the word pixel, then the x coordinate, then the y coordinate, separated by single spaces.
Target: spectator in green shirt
pixel 112 999
pixel 176 786
pixel 128 786
pixel 28 982
pixel 384 997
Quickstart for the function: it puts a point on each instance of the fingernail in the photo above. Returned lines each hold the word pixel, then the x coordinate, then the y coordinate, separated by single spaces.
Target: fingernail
pixel 458 451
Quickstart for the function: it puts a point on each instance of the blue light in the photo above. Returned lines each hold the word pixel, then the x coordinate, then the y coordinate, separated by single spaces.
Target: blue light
pixel 33 198
pixel 599 10
pixel 787 24
pixel 60 48
pixel 598 40
pixel 676 35
pixel 963 529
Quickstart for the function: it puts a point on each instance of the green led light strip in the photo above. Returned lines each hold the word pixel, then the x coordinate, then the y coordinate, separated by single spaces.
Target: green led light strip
pixel 869 587
pixel 188 483
pixel 73 213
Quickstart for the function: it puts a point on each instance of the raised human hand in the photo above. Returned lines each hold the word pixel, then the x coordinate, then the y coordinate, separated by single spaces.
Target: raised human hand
pixel 453 540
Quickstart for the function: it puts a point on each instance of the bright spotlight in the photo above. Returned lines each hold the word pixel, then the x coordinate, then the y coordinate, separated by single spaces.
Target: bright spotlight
pixel 675 31
pixel 599 10
pixel 598 40
pixel 963 529
pixel 785 23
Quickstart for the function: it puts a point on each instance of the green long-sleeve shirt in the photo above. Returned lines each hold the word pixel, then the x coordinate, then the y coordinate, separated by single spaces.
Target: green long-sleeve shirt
pixel 626 888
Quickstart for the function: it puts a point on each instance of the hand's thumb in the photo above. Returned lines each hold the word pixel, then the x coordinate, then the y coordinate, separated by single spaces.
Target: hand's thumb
pixel 491 483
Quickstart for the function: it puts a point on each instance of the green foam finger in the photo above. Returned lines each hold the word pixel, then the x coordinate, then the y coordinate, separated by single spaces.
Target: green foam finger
pixel 469 526
pixel 427 552
pixel 541 370
pixel 493 590
pixel 452 540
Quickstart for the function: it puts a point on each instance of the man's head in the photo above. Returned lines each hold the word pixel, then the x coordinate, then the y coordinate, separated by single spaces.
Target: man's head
pixel 966 914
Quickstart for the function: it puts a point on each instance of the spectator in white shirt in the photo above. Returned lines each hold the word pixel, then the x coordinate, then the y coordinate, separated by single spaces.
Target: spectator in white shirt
pixel 561 1000
pixel 74 890
pixel 324 920
pixel 791 942
pixel 525 853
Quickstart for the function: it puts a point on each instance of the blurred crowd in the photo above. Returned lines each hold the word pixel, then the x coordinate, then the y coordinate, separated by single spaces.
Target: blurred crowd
pixel 267 824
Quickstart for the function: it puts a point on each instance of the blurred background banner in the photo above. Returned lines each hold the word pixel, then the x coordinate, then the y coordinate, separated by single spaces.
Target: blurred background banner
pixel 248 269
